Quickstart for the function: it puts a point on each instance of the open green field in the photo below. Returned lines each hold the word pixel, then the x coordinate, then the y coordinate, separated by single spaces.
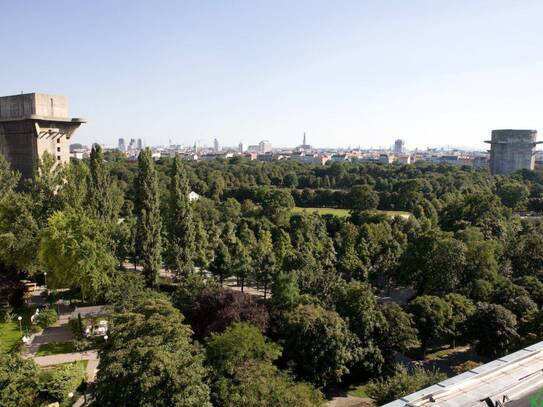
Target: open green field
pixel 55 348
pixel 323 211
pixel 345 212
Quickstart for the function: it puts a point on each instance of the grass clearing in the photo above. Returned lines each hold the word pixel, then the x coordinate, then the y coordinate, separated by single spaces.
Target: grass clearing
pixel 358 391
pixel 9 336
pixel 55 348
pixel 323 211
pixel 342 213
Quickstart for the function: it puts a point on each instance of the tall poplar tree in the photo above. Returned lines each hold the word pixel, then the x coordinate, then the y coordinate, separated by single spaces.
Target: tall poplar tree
pixel 180 257
pixel 99 192
pixel 148 225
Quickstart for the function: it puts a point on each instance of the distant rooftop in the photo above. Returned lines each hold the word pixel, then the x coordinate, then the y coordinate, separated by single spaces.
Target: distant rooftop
pixel 509 381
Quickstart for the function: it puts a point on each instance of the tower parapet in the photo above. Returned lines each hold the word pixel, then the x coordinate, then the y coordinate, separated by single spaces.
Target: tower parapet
pixel 30 125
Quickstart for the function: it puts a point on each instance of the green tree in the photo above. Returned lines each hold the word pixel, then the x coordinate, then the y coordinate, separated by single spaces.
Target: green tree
pixel 222 263
pixel 402 383
pixel 239 342
pixel 434 263
pixel 362 198
pixel 514 194
pixel 495 329
pixel 150 360
pixel 432 316
pixel 285 292
pixel 8 177
pixel 244 376
pixel 462 311
pixel 19 233
pixel 277 206
pixel 74 191
pixel 180 225
pixel 63 380
pixel 19 384
pixel 265 263
pixel 76 252
pixel 148 225
pixel 356 303
pixel 99 199
pixel 241 262
pixel 396 332
pixel 319 344
pixel 44 187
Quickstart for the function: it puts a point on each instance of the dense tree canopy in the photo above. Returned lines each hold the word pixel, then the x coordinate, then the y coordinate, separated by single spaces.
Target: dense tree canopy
pixel 151 342
pixel 340 293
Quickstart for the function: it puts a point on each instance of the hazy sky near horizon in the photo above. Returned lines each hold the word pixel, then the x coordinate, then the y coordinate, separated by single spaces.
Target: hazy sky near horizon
pixel 434 73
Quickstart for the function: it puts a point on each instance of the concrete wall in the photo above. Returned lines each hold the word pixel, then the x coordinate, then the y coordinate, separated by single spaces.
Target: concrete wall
pixel 512 150
pixel 18 144
pixel 21 106
pixel 23 141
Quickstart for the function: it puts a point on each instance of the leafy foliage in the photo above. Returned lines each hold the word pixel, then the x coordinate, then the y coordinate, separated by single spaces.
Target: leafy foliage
pixel 151 342
pixel 76 252
pixel 402 383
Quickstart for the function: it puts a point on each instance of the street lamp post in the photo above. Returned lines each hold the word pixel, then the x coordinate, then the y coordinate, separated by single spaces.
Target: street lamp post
pixel 45 275
pixel 20 318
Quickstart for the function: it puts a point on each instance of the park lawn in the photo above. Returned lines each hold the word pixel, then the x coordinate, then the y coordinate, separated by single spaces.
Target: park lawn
pixel 55 348
pixel 342 213
pixel 9 336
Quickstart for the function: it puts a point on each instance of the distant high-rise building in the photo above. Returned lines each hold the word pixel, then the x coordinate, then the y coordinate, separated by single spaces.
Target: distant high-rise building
pixel 32 124
pixel 241 147
pixel 512 150
pixel 216 145
pixel 122 145
pixel 140 144
pixel 399 146
pixel 264 146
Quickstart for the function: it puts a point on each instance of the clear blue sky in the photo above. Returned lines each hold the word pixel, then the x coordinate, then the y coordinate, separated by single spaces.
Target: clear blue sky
pixel 348 72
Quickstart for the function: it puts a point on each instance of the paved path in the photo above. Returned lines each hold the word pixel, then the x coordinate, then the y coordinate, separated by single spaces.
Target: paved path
pixel 66 358
pixel 59 332
pixel 91 356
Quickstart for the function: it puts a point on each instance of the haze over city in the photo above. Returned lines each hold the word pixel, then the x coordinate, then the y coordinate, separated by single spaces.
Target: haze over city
pixel 347 73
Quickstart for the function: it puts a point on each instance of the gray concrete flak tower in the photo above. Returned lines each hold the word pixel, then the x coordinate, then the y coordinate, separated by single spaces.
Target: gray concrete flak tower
pixel 31 124
pixel 512 150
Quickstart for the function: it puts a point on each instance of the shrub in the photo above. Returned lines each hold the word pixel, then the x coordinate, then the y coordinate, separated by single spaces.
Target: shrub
pixel 402 383
pixel 64 379
pixel 6 313
pixel 47 317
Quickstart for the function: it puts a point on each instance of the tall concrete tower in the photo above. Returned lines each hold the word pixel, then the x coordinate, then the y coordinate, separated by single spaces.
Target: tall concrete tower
pixel 31 124
pixel 512 150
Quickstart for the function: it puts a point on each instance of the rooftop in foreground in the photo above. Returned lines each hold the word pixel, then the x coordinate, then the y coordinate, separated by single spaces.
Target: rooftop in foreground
pixel 509 381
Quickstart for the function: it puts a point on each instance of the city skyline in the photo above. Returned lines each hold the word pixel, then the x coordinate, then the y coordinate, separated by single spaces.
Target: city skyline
pixel 358 74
